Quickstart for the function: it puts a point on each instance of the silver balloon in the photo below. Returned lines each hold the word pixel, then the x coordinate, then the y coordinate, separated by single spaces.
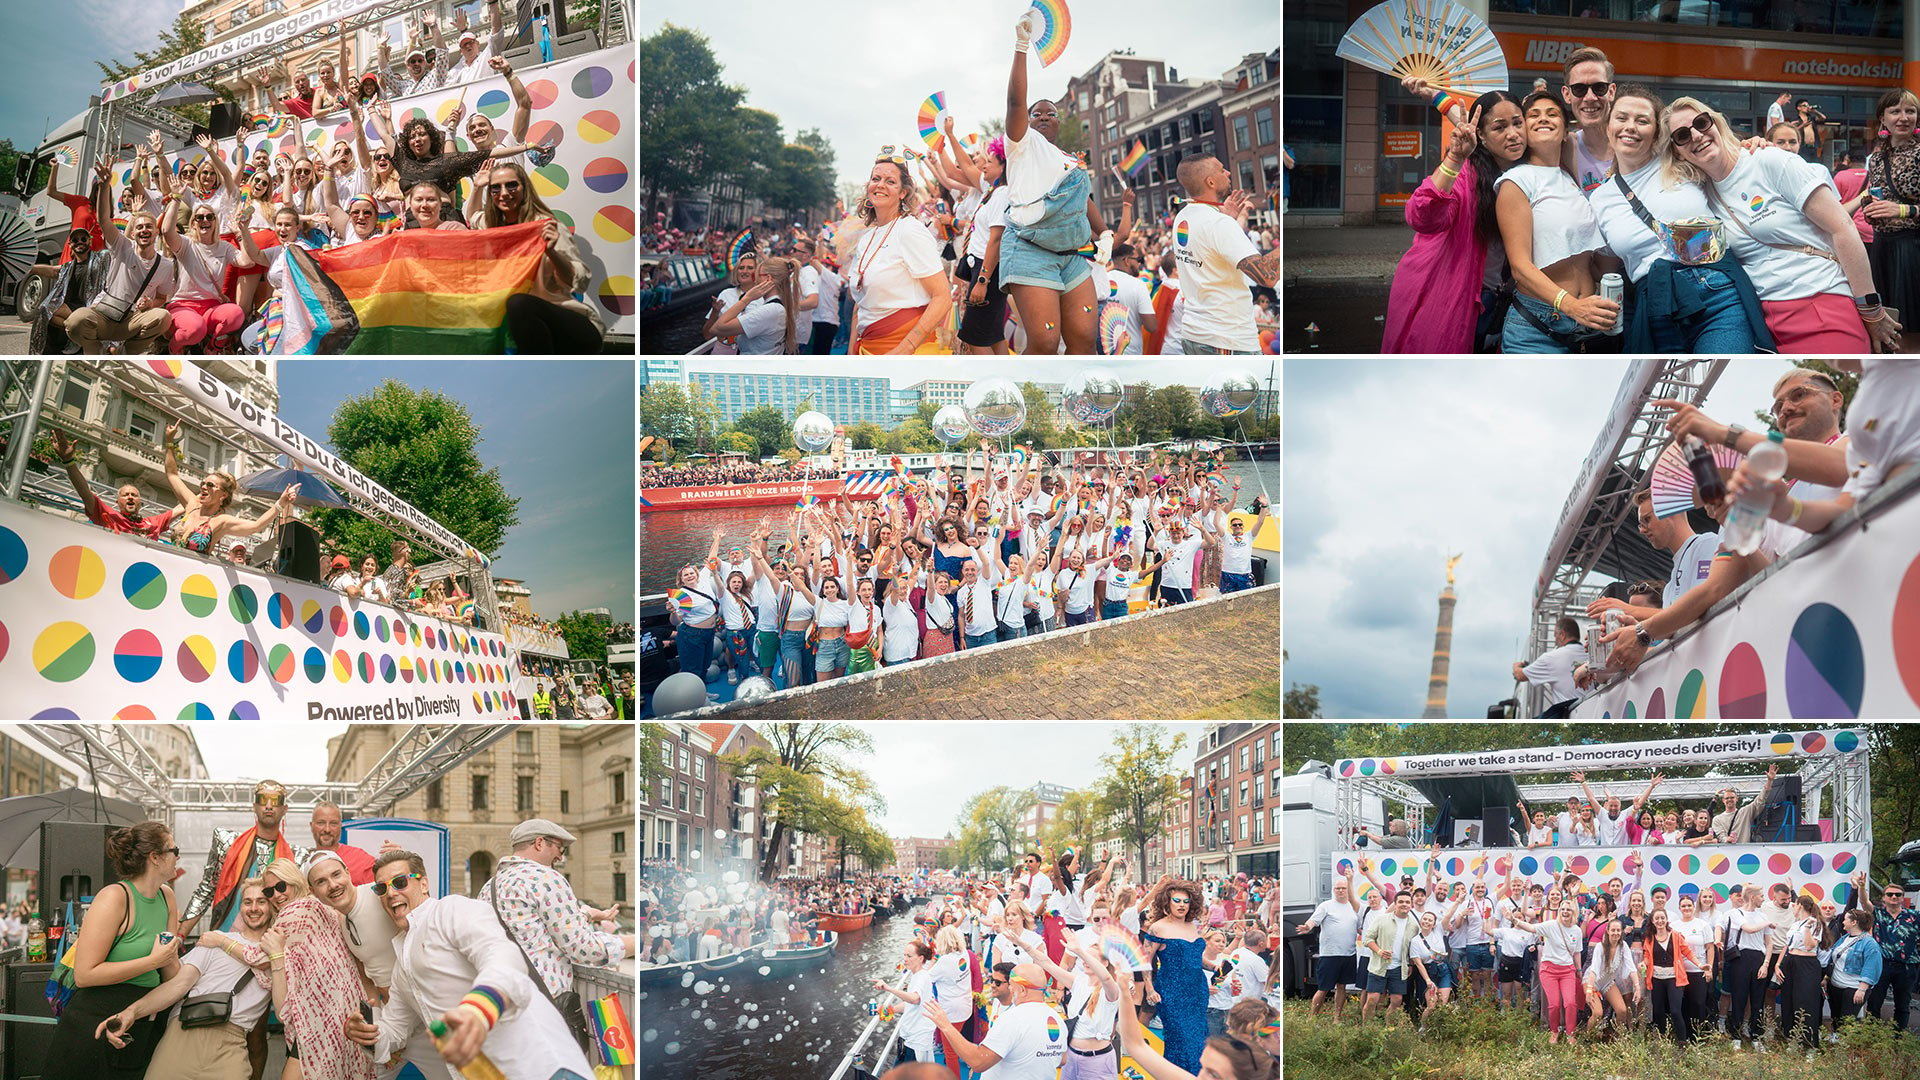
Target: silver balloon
pixel 1231 394
pixel 995 407
pixel 753 688
pixel 812 432
pixel 1093 396
pixel 680 692
pixel 950 425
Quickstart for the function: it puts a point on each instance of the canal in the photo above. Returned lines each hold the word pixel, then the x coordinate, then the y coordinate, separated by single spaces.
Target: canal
pixel 793 1027
pixel 670 539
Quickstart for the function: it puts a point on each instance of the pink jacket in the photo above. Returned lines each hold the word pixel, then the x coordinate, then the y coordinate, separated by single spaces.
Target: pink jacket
pixel 1435 301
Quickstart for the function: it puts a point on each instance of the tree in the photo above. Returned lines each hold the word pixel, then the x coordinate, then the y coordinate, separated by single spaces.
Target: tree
pixel 806 780
pixel 1310 742
pixel 926 411
pixel 865 435
pixel 652 738
pixel 687 113
pixel 423 447
pixel 760 142
pixel 10 162
pixel 799 182
pixel 676 412
pixel 913 436
pixel 1080 820
pixel 1073 137
pixel 185 37
pixel 586 636
pixel 1140 785
pixel 738 442
pixel 1182 411
pixel 1039 429
pixel 769 427
pixel 990 834
pixel 822 148
pixel 1302 702
pixel 1139 416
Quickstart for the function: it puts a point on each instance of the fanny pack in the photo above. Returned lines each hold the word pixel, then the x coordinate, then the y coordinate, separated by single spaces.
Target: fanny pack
pixel 1804 249
pixel 113 309
pixel 211 1010
pixel 1690 241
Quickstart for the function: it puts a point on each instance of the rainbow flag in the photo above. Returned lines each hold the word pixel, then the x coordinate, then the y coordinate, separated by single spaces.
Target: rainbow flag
pixel 310 314
pixel 612 1034
pixel 419 291
pixel 1135 157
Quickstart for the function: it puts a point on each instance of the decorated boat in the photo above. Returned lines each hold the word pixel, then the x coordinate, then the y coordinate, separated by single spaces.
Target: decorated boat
pixel 686 972
pixel 860 486
pixel 840 924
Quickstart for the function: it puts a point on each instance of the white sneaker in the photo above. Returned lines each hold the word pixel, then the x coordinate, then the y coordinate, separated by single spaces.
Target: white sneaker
pixel 733 678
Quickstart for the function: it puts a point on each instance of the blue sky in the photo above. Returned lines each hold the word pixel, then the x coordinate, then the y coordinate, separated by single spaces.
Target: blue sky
pixel 50 68
pixel 561 434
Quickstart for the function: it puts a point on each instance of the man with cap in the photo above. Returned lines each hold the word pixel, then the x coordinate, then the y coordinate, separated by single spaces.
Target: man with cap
pixel 417 77
pixel 1236 560
pixel 237 554
pixel 235 857
pixel 470 63
pixel 541 912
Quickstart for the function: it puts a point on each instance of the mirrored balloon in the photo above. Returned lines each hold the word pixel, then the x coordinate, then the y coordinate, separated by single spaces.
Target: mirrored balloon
pixel 1230 394
pixel 812 432
pixel 950 425
pixel 995 407
pixel 1093 396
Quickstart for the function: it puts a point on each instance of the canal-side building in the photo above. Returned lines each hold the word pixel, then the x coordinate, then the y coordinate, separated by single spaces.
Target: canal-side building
pixel 1174 854
pixel 1236 825
pixel 849 399
pixel 912 854
pixel 1043 807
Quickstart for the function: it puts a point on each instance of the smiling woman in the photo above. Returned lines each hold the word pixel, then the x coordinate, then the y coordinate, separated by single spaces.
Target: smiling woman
pixel 1552 242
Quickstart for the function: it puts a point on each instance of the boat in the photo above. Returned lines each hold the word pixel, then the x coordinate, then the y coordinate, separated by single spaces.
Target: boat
pixel 664 976
pixel 883 911
pixel 827 920
pixel 779 491
pixel 780 960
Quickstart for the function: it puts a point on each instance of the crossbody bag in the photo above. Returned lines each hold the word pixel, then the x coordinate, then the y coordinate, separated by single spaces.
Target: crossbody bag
pixel 113 309
pixel 212 1010
pixel 567 1002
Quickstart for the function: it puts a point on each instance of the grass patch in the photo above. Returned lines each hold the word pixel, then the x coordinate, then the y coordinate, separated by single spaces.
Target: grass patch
pixel 1262 700
pixel 1472 1040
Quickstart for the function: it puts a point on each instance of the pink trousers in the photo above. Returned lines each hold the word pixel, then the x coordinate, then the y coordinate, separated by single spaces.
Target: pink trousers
pixel 1827 323
pixel 195 321
pixel 1561 984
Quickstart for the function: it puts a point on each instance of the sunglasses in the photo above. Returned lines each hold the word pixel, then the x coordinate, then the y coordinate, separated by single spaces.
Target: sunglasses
pixel 1589 89
pixel 383 157
pixel 275 889
pixel 509 185
pixel 203 217
pixel 173 851
pixel 1702 123
pixel 395 883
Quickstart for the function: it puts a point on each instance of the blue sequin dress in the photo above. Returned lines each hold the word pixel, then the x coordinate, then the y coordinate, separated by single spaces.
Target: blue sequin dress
pixel 1182 984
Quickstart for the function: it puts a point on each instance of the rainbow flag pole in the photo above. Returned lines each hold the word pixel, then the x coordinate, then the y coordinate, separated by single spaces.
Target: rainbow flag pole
pixel 1135 157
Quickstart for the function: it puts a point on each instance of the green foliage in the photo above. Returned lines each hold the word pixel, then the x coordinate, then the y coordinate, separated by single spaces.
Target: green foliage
pixel 865 435
pixel 423 447
pixel 1140 784
pixel 990 835
pixel 677 413
pixel 808 785
pixel 769 427
pixel 686 113
pixel 1080 820
pixel 1303 702
pixel 652 738
pixel 913 436
pixel 1039 429
pixel 184 37
pixel 586 637
pixel 738 442
pixel 10 160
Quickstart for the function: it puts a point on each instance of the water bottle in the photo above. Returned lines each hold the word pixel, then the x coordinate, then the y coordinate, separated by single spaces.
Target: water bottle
pixel 1706 474
pixel 36 940
pixel 1747 521
pixel 1614 287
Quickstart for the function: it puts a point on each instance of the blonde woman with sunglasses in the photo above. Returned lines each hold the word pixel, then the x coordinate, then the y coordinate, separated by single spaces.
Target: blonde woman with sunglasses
pixel 201 522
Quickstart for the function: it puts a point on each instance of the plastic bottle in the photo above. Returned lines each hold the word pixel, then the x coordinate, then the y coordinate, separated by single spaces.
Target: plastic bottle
pixel 1747 520
pixel 56 933
pixel 480 1068
pixel 1706 475
pixel 36 940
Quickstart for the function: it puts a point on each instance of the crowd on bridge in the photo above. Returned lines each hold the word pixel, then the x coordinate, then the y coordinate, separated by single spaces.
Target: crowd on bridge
pixel 740 472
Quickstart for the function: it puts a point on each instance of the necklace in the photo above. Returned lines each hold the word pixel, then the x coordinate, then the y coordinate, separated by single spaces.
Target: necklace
pixel 874 253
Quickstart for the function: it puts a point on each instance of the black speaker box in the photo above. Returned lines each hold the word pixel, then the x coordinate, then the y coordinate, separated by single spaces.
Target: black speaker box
pixel 1496 827
pixel 73 862
pixel 25 987
pixel 224 119
pixel 299 554
pixel 1806 834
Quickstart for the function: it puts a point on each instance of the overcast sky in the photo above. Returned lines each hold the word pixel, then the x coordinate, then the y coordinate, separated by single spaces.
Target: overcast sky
pixel 244 751
pixel 1391 466
pixel 859 69
pixel 928 771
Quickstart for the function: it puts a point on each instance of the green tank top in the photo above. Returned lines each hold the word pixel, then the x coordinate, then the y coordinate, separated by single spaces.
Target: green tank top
pixel 149 918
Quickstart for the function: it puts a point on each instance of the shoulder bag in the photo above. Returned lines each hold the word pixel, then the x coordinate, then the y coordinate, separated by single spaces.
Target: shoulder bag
pixel 567 1002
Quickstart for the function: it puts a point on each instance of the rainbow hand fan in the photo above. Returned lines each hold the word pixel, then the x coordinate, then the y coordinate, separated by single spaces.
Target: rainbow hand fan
pixel 1672 483
pixel 1436 40
pixel 64 155
pixel 1121 947
pixel 1114 335
pixel 1056 28
pixel 738 246
pixel 930 112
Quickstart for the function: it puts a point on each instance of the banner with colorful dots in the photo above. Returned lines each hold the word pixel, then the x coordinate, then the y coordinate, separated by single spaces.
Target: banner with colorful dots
pixel 98 626
pixel 1825 870
pixel 1760 746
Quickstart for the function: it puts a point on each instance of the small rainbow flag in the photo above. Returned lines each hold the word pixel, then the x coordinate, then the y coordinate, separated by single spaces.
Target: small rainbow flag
pixel 612 1034
pixel 807 502
pixel 1135 157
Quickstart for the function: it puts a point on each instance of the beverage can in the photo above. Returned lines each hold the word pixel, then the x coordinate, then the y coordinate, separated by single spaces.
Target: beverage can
pixel 1614 287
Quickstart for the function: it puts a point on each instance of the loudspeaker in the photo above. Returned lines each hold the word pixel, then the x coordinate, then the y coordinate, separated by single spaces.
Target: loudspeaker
pixel 73 862
pixel 25 986
pixel 1806 834
pixel 299 553
pixel 1496 827
pixel 1786 794
pixel 224 119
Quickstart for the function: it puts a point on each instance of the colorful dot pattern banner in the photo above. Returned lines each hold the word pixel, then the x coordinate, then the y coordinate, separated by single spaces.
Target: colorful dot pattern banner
pixel 98 626
pixel 1825 870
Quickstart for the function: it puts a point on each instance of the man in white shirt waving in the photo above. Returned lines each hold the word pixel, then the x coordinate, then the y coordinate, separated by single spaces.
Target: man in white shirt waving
pixel 1216 260
pixel 1026 1040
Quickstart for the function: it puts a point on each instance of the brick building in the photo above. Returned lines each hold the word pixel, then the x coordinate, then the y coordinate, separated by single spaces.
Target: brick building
pixel 1044 807
pixel 1106 98
pixel 1174 854
pixel 1236 826
pixel 915 853
pixel 1251 111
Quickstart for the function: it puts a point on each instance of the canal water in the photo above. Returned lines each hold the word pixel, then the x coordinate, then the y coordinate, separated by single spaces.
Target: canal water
pixel 675 335
pixel 793 1027
pixel 670 539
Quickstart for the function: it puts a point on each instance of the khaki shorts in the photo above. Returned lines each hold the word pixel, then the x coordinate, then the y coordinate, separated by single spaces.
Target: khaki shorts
pixel 216 1051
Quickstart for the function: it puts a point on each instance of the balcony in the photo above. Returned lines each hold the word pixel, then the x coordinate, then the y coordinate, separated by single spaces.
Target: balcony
pixel 128 455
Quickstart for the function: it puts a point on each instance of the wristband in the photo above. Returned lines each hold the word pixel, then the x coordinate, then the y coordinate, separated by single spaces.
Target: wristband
pixel 1447 170
pixel 1559 298
pixel 487 1001
pixel 274 956
pixel 1798 508
pixel 1440 101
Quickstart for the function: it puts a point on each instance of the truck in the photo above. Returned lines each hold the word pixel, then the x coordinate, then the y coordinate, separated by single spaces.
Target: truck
pixel 1312 829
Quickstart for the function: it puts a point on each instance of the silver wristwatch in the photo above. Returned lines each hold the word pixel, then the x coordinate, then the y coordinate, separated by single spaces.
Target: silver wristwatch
pixel 1732 439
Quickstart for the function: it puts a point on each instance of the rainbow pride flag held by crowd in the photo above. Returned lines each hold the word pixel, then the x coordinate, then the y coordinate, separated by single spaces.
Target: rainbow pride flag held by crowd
pixel 420 291
pixel 1135 157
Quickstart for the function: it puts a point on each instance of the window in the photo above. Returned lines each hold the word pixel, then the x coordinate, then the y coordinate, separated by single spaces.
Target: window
pixel 1243 793
pixel 1166 134
pixel 1260 786
pixel 1243 826
pixel 1257 834
pixel 641 837
pixel 1240 132
pixel 666 755
pixel 1256 74
pixel 1263 125
pixel 619 842
pixel 1205 122
pixel 619 887
pixel 1246 176
pixel 1083 101
pixel 1274 783
pixel 683 759
pixel 480 791
pixel 1186 128
pixel 142 427
pixel 1113 132
pixel 433 795
pixel 1273 821
pixel 523 741
pixel 617 788
pixel 523 794
pixel 666 792
pixel 1275 752
pixel 73 397
pixel 1259 753
pixel 700 763
pixel 663 840
pixel 1246 755
pixel 700 800
pixel 684 792
pixel 566 798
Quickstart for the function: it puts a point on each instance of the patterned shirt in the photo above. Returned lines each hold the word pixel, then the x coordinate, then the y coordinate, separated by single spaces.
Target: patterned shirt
pixel 1898 935
pixel 548 921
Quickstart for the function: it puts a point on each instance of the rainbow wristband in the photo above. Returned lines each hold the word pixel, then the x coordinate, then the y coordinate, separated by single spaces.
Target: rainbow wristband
pixel 488 1001
pixel 1440 101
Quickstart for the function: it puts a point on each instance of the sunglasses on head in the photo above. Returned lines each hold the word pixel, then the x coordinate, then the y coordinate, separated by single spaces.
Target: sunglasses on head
pixel 396 883
pixel 1589 89
pixel 1702 123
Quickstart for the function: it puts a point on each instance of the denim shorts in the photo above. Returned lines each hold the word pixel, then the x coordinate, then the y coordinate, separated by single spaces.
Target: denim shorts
pixel 831 655
pixel 1393 982
pixel 1332 972
pixel 1440 972
pixel 1519 335
pixel 1479 957
pixel 1022 263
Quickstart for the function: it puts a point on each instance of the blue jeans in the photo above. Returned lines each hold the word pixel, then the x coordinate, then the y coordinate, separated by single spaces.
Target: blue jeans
pixel 1081 619
pixel 1233 583
pixel 1174 595
pixel 1008 633
pixel 1519 335
pixel 696 649
pixel 1721 326
pixel 981 641
pixel 796 662
pixel 1112 609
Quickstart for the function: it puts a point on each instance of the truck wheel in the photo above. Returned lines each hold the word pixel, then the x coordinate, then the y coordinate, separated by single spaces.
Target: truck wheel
pixel 27 297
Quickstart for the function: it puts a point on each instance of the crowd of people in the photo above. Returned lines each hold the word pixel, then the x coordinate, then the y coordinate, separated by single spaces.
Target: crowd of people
pixel 1722 243
pixel 665 476
pixel 189 269
pixel 961 560
pixel 351 950
pixel 1837 454
pixel 1001 246
pixel 1768 961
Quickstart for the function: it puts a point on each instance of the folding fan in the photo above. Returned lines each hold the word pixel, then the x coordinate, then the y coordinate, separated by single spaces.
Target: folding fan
pixel 1672 483
pixel 1436 40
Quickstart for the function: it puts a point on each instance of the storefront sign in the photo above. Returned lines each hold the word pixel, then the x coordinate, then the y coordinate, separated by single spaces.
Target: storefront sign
pixel 1656 754
pixel 1695 59
pixel 1400 144
pixel 99 626
pixel 1394 199
pixel 1824 870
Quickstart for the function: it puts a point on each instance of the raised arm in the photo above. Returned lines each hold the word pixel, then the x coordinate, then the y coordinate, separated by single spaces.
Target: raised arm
pixel 205 142
pixel 242 527
pixel 1016 121
pixel 1645 795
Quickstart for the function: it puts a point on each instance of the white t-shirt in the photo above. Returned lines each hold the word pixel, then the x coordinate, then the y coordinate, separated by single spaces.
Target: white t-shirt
pixel 1178 571
pixel 1885 421
pixel 763 330
pixel 916 1030
pixel 129 270
pixel 829 309
pixel 1034 167
pixel 1010 604
pixel 1030 1039
pixel 975 604
pixel 1513 941
pixel 1612 830
pixel 1766 192
pixel 832 613
pixel 218 974
pixel 1219 302
pixel 1541 835
pixel 1119 583
pixel 1078 585
pixel 1096 1019
pixel 902 629
pixel 1236 556
pixel 803 320
pixel 951 986
pixel 1563 223
pixel 1699 934
pixel 991 213
pixel 1132 296
pixel 766 601
pixel 1690 566
pixel 1626 235
pixel 200 268
pixel 886 268
pixel 1776 114
pixel 1559 944
pixel 1554 670
pixel 699 608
